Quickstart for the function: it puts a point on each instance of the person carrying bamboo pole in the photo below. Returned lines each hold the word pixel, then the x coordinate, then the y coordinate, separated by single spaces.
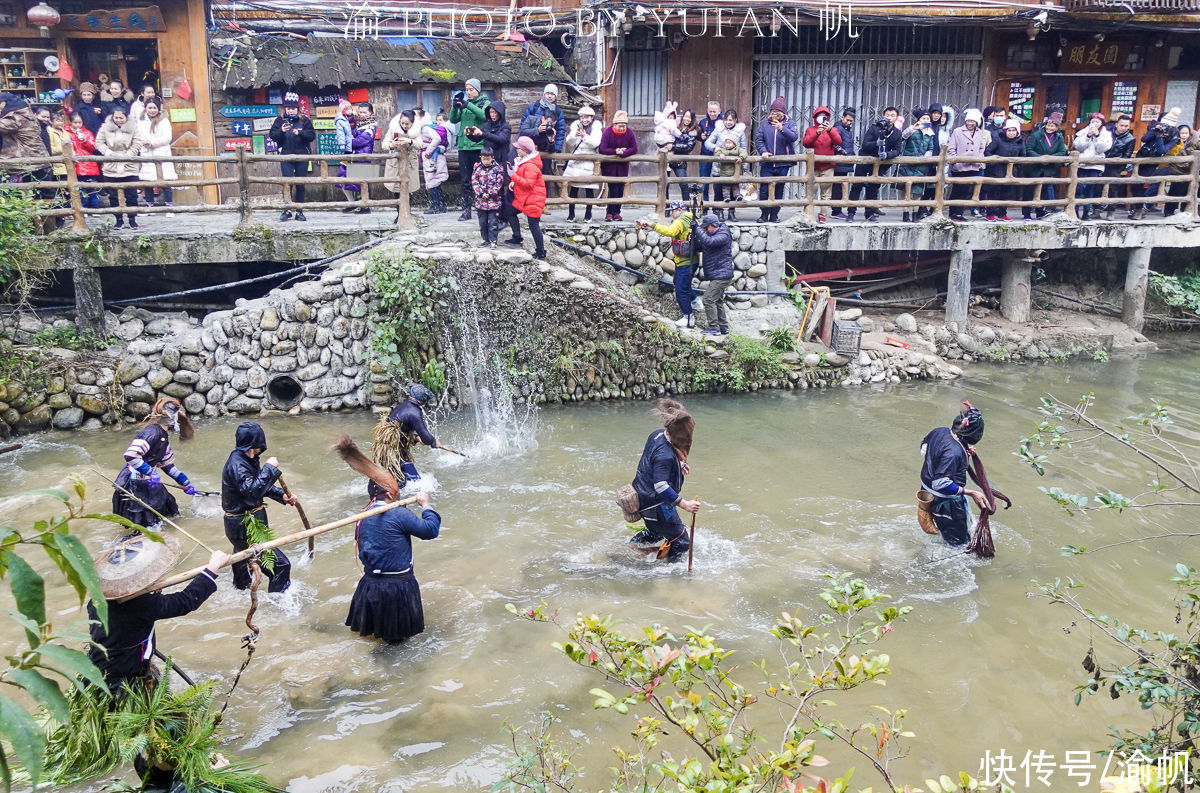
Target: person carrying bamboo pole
pixel 147 454
pixel 387 600
pixel 399 431
pixel 659 482
pixel 944 474
pixel 245 482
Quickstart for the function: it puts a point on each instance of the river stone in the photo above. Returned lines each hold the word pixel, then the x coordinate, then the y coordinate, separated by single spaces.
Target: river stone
pixel 742 261
pixel 758 301
pixel 757 270
pixel 94 405
pixel 329 387
pixel 194 404
pixel 907 323
pixel 36 419
pixel 358 286
pixel 312 372
pixel 59 401
pixel 186 377
pixel 745 242
pixel 67 419
pixel 131 368
pixel 759 244
pixel 303 312
pixel 849 314
pixel 10 416
pixel 56 386
pixel 239 361
pixel 140 393
pixel 177 390
pixel 967 342
pixel 283 363
pixel 985 334
pixel 309 291
pixel 634 257
pixel 241 404
pixel 340 328
pixel 128 331
pixel 256 377
pixel 812 360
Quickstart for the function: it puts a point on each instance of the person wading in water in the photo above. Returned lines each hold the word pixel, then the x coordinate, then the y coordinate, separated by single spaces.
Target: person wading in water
pixel 149 451
pixel 403 428
pixel 944 474
pixel 659 480
pixel 245 482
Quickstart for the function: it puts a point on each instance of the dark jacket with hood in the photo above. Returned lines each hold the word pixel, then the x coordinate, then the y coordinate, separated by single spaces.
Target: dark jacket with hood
pixel 944 471
pixel 882 142
pixel 290 143
pixel 497 134
pixel 92 114
pixel 409 416
pixel 716 251
pixel 535 111
pixel 245 482
pixel 845 148
pixel 1001 146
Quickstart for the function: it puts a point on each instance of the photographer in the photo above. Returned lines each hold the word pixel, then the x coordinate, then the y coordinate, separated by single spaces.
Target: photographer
pixel 467 112
pixel 825 141
pixel 1157 141
pixel 845 128
pixel 883 139
pixel 293 133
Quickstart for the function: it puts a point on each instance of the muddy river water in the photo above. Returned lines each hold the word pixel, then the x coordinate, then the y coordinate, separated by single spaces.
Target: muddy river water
pixel 795 485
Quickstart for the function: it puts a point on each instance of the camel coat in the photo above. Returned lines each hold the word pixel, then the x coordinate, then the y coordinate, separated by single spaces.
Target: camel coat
pixel 124 141
pixel 410 158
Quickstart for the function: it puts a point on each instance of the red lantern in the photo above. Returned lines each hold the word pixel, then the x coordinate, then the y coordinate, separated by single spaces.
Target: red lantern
pixel 43 16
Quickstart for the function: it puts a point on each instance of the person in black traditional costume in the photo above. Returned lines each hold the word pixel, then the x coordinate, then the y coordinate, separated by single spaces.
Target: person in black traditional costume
pixel 122 652
pixel 148 452
pixel 659 482
pixel 944 474
pixel 245 482
pixel 387 600
pixel 402 429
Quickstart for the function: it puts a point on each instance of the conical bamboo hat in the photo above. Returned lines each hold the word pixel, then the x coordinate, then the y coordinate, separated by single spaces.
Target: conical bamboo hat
pixel 132 562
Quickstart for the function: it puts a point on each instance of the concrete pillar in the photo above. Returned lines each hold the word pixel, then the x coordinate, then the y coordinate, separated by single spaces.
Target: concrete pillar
pixel 958 290
pixel 1136 274
pixel 89 301
pixel 1015 288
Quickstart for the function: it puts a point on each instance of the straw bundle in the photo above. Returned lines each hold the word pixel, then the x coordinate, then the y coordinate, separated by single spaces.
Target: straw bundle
pixel 390 447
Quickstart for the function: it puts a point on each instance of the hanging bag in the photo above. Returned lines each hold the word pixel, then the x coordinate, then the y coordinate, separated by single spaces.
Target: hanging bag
pixel 627 500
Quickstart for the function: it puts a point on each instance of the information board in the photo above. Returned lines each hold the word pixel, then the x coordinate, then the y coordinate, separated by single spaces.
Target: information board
pixel 327 143
pixel 1020 99
pixel 1124 98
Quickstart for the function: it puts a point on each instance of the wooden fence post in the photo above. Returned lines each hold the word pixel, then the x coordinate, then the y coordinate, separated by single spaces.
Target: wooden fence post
pixel 243 177
pixel 403 204
pixel 939 205
pixel 1194 185
pixel 78 223
pixel 661 205
pixel 1073 185
pixel 811 186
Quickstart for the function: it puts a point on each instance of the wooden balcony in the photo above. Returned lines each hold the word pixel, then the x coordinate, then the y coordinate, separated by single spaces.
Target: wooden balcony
pixel 1139 6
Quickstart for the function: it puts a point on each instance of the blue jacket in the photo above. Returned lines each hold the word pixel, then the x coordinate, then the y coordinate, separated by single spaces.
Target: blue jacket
pixel 344 133
pixel 411 420
pixel 776 141
pixel 535 109
pixel 385 541
pixel 944 472
pixel 659 477
pixel 716 251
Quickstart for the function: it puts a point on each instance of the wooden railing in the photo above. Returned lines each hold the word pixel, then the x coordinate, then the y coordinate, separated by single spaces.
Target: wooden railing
pixel 806 179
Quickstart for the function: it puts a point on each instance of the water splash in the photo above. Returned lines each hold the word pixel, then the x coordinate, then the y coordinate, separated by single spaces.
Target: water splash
pixel 504 414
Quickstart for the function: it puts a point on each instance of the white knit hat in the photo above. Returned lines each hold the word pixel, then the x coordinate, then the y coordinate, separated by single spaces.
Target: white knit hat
pixel 1171 119
pixel 973 114
pixel 550 88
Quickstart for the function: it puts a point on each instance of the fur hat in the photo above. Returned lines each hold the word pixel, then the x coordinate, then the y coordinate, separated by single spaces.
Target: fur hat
pixel 87 87
pixel 474 83
pixel 526 144
pixel 291 98
pixel 973 114
pixel 587 110
pixel 550 88
pixel 1012 123
pixel 620 117
pixel 779 104
pixel 1171 118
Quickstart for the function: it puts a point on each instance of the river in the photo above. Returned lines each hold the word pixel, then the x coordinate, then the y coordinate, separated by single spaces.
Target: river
pixel 795 485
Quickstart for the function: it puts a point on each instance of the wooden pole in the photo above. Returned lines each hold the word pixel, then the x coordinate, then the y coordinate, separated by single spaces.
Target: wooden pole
pixel 404 218
pixel 243 176
pixel 939 205
pixel 1073 185
pixel 303 518
pixel 78 223
pixel 692 542
pixel 1194 184
pixel 254 550
pixel 660 205
pixel 810 209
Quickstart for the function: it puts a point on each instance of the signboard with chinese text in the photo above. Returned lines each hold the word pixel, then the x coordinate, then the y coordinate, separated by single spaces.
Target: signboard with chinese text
pixel 233 144
pixel 323 100
pixel 327 143
pixel 258 144
pixel 1124 97
pixel 182 114
pixel 274 96
pixel 1020 100
pixel 323 123
pixel 1093 56
pixel 242 128
pixel 121 20
pixel 325 112
pixel 247 111
pixel 262 124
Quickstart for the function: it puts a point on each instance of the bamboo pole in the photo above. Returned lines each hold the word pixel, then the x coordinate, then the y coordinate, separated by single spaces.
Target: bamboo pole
pixel 300 509
pixel 279 542
pixel 243 176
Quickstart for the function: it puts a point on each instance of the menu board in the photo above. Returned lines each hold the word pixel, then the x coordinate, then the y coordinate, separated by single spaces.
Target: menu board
pixel 1020 100
pixel 1124 97
pixel 327 143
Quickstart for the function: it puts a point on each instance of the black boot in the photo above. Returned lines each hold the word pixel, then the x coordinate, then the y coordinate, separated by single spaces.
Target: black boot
pixel 466 213
pixel 732 215
pixel 907 217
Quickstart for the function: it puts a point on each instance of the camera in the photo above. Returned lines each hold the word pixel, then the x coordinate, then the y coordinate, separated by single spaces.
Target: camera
pixel 1159 129
pixel 882 123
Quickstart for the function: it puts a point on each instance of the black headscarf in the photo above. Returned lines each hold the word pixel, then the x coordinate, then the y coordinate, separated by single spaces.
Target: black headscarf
pixel 968 424
pixel 250 436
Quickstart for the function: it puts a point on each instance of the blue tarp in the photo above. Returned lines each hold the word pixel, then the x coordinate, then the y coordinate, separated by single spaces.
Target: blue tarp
pixel 400 41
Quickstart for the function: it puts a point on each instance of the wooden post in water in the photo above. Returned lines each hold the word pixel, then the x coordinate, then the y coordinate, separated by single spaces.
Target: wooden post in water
pixel 1137 272
pixel 958 290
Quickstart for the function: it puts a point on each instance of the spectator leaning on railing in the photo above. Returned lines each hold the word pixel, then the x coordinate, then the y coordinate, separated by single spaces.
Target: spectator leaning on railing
pixel 825 140
pixel 706 127
pixel 120 137
pixel 1091 142
pixel 294 134
pixel 20 134
pixel 919 141
pixel 1186 145
pixel 966 141
pixel 1123 143
pixel 1157 141
pixel 583 138
pixel 776 137
pixel 882 140
pixel 617 140
pixel 1046 140
pixel 1008 142
pixel 83 144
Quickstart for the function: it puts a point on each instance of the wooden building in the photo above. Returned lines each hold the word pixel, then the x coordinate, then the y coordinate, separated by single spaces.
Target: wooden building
pixel 250 73
pixel 163 45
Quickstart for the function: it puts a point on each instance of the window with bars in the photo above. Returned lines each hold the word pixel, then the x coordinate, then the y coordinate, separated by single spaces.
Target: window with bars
pixel 643 81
